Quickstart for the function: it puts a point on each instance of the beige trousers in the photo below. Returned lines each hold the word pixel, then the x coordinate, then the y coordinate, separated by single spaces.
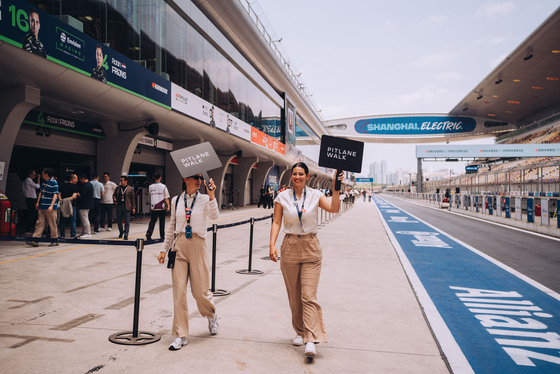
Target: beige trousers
pixel 45 217
pixel 300 261
pixel 191 263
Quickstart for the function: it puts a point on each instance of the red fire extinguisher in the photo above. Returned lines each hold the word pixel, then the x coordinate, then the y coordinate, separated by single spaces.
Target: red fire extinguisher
pixel 5 214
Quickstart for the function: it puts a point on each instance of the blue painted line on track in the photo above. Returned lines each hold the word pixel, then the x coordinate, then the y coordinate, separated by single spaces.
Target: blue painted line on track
pixel 487 317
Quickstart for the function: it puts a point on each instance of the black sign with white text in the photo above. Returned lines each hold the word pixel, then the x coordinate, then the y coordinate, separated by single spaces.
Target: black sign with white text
pixel 341 154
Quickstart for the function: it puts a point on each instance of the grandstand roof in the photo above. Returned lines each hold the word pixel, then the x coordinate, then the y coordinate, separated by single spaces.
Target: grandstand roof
pixel 525 87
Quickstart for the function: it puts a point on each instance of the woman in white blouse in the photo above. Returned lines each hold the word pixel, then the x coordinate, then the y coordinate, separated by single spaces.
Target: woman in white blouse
pixel 186 234
pixel 301 258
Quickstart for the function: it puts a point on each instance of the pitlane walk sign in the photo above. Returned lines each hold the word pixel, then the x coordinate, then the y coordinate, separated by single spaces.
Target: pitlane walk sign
pixel 500 322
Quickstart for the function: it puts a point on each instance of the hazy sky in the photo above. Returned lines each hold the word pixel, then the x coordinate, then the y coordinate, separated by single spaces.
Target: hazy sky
pixel 370 57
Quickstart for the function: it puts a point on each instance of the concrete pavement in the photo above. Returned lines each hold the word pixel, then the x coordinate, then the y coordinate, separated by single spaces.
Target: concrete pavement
pixel 58 306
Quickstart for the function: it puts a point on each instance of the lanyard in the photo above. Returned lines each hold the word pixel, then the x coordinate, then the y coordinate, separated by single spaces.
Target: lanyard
pixel 189 210
pixel 123 193
pixel 300 212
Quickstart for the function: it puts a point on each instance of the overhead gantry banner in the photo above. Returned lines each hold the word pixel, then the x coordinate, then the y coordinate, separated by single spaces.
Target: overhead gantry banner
pixel 415 127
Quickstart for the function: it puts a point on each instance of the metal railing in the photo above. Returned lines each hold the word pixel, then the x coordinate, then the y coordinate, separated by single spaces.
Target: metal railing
pixel 542 177
pixel 538 210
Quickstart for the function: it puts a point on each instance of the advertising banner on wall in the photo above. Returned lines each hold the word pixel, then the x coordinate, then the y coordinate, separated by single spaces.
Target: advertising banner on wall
pixel 273 177
pixel 290 123
pixel 188 103
pixel 193 106
pixel 43 35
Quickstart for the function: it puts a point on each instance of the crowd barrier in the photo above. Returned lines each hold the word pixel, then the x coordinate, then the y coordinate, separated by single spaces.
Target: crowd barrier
pixel 533 209
pixel 136 337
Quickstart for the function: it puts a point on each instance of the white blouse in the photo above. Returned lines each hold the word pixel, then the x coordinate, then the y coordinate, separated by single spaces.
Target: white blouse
pixel 309 200
pixel 203 209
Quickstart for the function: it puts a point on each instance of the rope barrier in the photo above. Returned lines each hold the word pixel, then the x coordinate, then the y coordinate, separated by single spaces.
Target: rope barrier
pixel 115 241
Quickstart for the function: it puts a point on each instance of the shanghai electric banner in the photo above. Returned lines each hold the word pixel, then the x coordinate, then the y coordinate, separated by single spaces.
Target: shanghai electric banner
pixel 43 35
pixel 417 125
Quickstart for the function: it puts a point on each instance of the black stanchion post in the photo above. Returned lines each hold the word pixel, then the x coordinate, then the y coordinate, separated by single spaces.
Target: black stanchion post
pixel 213 289
pixel 214 237
pixel 249 270
pixel 135 337
pixel 251 244
pixel 139 250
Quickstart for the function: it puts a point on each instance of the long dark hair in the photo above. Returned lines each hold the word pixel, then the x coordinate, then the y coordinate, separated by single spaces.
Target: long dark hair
pixel 301 165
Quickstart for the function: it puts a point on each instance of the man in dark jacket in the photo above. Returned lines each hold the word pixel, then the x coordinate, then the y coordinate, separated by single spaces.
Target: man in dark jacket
pixel 85 203
pixel 124 198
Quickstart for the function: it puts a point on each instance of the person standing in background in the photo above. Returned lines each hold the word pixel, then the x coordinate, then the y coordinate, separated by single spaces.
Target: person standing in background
pixel 48 208
pixel 68 194
pixel 98 192
pixel 159 203
pixel 107 202
pixel 85 204
pixel 30 187
pixel 124 198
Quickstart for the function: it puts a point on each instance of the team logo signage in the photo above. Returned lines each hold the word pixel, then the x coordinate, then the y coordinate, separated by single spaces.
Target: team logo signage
pixel 57 122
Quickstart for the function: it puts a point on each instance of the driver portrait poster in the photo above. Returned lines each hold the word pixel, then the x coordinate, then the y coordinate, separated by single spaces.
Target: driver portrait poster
pixel 25 26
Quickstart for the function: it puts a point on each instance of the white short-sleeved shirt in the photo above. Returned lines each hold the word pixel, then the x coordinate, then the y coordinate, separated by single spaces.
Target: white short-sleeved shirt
pixel 158 193
pixel 309 219
pixel 109 188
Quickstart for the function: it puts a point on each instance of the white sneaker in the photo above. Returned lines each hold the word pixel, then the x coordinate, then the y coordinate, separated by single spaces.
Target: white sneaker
pixel 85 236
pixel 109 229
pixel 101 229
pixel 213 324
pixel 177 344
pixel 310 349
pixel 298 340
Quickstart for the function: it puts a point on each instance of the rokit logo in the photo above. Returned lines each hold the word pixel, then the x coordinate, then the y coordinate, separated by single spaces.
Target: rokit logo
pixel 159 88
pixel 118 68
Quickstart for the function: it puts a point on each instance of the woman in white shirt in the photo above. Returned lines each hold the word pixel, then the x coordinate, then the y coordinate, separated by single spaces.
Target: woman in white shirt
pixel 186 234
pixel 301 258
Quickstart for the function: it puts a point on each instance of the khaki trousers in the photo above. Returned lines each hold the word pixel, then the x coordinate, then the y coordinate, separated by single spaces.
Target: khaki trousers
pixel 191 263
pixel 300 261
pixel 46 217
